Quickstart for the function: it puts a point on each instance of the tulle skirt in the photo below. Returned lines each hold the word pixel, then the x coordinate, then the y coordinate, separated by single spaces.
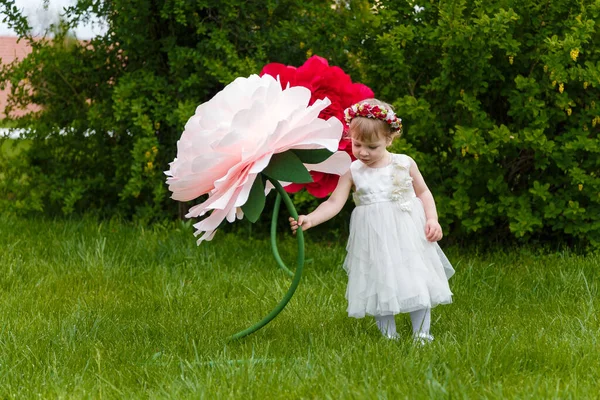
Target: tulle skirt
pixel 391 266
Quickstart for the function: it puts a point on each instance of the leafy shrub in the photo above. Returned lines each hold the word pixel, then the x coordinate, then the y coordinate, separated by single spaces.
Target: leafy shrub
pixel 499 105
pixel 113 107
pixel 499 101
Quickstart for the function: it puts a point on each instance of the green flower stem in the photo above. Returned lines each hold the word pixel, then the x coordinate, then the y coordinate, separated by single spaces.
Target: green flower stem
pixel 274 236
pixel 297 275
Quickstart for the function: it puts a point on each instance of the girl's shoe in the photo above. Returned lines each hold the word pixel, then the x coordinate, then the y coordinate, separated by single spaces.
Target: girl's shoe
pixel 423 338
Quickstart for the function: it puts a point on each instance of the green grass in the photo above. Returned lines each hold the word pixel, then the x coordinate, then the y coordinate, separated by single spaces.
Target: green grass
pixel 110 310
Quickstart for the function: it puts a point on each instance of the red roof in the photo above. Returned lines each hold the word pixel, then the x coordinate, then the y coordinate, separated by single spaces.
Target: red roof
pixel 10 50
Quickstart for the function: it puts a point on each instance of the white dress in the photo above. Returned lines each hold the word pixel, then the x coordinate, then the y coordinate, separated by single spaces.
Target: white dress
pixel 391 266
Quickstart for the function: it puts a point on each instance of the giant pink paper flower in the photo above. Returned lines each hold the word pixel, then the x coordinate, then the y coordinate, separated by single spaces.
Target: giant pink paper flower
pixel 323 81
pixel 240 133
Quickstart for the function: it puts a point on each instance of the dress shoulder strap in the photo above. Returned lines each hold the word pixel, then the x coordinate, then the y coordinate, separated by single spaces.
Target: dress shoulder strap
pixel 401 160
pixel 354 168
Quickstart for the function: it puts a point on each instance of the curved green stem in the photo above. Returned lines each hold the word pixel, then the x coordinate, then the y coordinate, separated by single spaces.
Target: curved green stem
pixel 274 236
pixel 297 275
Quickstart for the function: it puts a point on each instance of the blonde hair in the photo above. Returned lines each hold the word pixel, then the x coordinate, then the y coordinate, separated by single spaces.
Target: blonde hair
pixel 370 129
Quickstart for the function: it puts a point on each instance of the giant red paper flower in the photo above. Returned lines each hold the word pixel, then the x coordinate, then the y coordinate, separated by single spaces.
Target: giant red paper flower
pixel 253 127
pixel 323 81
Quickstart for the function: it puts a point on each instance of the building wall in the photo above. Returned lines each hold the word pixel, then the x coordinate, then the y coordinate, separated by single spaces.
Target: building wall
pixel 11 49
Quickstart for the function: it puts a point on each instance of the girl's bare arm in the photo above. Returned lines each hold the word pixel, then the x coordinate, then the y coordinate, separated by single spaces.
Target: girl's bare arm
pixel 433 230
pixel 329 208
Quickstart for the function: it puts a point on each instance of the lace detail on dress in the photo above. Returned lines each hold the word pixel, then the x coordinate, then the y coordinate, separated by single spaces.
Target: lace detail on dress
pixel 402 191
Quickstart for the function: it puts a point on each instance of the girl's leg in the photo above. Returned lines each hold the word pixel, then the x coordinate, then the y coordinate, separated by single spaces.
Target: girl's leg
pixel 387 326
pixel 421 322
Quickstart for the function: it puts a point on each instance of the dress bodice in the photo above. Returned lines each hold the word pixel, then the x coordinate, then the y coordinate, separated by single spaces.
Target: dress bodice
pixel 390 183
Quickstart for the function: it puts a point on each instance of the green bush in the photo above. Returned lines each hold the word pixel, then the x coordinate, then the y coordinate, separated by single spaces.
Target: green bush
pixel 498 100
pixel 499 105
pixel 113 108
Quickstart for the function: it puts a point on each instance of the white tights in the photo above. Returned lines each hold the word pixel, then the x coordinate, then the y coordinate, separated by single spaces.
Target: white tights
pixel 387 325
pixel 421 323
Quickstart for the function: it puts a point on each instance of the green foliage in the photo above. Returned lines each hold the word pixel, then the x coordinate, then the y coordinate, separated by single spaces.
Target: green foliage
pixel 287 167
pixel 498 99
pixel 113 107
pixel 499 107
pixel 256 200
pixel 19 193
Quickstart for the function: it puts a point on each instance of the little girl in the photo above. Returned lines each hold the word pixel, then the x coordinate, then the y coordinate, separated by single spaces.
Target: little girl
pixel 394 264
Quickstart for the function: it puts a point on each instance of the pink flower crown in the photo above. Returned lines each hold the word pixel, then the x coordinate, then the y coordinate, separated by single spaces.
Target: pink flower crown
pixel 373 111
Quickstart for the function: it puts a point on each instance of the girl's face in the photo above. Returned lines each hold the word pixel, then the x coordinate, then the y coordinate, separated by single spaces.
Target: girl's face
pixel 372 154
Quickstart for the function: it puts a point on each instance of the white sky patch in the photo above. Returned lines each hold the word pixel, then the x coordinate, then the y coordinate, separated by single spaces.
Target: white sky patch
pixel 40 18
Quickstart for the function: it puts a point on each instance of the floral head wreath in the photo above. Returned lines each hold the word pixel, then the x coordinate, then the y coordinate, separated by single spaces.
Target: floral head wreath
pixel 373 111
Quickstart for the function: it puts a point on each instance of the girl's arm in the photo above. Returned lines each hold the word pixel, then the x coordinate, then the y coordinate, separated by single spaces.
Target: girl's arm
pixel 328 209
pixel 433 230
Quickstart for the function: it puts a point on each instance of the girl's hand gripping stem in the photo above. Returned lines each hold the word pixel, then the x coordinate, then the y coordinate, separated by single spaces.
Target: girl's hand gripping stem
pixel 303 222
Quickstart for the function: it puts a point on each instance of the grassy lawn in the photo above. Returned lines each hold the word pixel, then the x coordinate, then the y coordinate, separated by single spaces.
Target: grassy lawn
pixel 109 310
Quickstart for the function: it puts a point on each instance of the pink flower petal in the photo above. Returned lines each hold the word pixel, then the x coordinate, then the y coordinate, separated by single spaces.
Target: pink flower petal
pixel 338 163
pixel 232 137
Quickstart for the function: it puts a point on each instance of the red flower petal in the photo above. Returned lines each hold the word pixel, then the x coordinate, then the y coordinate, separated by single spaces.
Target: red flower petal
pixel 326 185
pixel 323 81
pixel 294 187
pixel 360 92
pixel 286 73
